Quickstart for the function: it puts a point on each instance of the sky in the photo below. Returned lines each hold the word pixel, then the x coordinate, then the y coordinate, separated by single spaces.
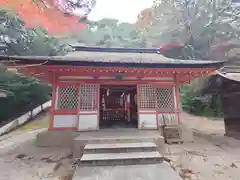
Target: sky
pixel 123 10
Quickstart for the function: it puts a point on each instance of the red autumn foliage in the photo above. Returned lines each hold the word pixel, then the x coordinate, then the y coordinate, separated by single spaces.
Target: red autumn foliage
pixel 36 14
pixel 168 47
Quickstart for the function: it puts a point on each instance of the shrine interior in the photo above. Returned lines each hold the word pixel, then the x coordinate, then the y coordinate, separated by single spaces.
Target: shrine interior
pixel 118 106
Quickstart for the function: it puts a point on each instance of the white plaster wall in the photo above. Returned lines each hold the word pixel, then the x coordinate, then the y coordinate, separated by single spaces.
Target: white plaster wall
pixel 88 122
pixel 65 121
pixel 148 121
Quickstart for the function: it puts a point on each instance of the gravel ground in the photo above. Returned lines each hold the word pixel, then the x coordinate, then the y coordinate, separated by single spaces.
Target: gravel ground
pixel 211 156
pixel 20 159
pixel 24 161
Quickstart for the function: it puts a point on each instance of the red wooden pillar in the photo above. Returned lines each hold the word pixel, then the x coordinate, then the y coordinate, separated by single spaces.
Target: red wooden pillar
pixel 129 106
pixel 52 108
pixel 177 96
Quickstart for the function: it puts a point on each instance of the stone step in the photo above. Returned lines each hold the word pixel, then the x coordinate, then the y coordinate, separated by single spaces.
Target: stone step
pixel 120 147
pixel 161 171
pixel 109 140
pixel 81 142
pixel 130 158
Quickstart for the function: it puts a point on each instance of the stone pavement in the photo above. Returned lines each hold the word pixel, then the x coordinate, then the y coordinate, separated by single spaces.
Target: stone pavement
pixel 160 171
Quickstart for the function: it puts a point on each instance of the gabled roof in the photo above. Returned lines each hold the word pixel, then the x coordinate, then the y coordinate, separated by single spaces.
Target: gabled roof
pixel 150 58
pixel 94 56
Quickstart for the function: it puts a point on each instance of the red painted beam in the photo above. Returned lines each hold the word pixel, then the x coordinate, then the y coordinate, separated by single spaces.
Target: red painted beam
pixel 125 70
pixel 47 72
pixel 114 82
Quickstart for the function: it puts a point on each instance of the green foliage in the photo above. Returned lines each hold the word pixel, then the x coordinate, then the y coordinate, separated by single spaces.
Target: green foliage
pixel 204 106
pixel 111 33
pixel 198 24
pixel 20 40
pixel 26 94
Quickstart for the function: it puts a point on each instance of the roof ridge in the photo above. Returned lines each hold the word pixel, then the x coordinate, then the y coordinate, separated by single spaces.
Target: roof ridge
pixel 116 49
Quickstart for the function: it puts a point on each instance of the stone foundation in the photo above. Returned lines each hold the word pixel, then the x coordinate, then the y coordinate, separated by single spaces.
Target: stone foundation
pixel 56 138
pixel 66 138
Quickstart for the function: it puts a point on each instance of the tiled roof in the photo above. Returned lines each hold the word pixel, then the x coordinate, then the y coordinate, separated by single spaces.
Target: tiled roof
pixel 149 58
pixel 125 58
pixel 105 58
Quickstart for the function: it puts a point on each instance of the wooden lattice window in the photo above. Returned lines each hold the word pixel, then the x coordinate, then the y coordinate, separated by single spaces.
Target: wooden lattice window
pixel 147 97
pixel 165 99
pixel 68 97
pixel 88 97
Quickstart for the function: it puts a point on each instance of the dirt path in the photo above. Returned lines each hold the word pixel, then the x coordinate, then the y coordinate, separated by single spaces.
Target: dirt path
pixel 20 159
pixel 211 156
pixel 27 162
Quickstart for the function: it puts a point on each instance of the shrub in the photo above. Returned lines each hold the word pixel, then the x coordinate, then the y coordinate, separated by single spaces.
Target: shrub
pixel 26 94
pixel 200 105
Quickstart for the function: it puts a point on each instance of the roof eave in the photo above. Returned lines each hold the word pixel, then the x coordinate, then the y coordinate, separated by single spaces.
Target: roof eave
pixel 55 60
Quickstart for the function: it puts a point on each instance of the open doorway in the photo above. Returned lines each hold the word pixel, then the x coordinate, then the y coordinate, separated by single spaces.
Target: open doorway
pixel 118 106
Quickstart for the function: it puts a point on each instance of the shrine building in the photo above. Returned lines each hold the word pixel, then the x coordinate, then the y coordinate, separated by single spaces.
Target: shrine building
pixel 98 88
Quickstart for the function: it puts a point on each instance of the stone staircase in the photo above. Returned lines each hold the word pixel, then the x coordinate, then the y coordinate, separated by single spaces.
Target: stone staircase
pixel 120 147
pixel 130 153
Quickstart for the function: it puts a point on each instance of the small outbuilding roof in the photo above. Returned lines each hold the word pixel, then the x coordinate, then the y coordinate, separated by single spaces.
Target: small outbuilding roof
pixel 230 76
pixel 231 69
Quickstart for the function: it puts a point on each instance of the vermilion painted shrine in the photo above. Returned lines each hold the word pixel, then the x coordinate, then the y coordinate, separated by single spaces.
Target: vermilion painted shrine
pixel 96 88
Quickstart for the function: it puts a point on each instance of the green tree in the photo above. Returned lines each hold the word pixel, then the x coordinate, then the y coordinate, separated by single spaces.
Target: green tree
pixel 111 33
pixel 197 24
pixel 26 94
pixel 20 40
pixel 200 26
